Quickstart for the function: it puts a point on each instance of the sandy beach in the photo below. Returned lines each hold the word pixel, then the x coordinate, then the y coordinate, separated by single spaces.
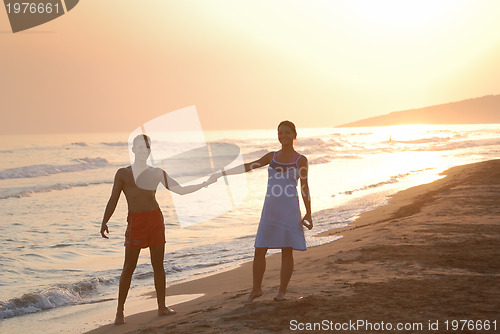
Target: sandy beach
pixel 424 262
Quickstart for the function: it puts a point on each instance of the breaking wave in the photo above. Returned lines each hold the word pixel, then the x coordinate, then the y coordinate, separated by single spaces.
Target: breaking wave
pixel 70 294
pixel 47 169
pixel 27 191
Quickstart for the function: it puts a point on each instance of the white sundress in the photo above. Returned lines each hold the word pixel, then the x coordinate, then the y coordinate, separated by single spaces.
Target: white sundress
pixel 280 223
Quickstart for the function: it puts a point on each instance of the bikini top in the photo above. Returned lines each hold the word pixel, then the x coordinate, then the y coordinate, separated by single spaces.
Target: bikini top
pixel 284 166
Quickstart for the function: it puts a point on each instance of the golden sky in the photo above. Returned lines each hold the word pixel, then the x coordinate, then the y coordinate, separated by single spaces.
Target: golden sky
pixel 111 65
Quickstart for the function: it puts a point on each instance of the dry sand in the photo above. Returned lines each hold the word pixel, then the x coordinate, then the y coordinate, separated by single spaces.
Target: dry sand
pixel 430 256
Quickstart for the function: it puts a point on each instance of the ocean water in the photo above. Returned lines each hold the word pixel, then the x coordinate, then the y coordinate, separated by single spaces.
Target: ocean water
pixel 54 188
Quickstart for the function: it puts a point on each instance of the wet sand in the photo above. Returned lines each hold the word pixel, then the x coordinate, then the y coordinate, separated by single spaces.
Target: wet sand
pixel 431 256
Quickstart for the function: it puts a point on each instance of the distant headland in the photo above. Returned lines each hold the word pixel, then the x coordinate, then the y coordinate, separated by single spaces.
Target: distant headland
pixel 481 110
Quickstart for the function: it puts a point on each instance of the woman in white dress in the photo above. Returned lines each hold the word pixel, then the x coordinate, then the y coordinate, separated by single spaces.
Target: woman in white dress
pixel 280 224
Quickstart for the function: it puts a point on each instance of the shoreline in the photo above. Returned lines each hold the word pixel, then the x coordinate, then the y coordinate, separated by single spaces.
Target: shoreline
pixel 430 255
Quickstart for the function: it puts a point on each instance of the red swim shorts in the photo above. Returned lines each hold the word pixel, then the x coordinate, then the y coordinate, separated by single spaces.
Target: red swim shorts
pixel 145 229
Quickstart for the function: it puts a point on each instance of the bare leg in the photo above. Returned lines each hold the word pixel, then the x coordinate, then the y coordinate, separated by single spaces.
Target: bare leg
pixel 286 272
pixel 131 257
pixel 157 256
pixel 259 267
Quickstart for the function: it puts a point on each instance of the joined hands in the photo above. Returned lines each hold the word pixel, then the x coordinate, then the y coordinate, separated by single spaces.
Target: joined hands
pixel 212 179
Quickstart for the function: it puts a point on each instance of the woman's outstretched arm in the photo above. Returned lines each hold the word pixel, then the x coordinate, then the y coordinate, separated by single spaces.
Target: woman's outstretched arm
pixel 263 161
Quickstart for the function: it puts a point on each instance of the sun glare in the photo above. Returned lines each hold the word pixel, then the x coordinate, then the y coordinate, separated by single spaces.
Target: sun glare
pixel 401 133
pixel 408 132
pixel 402 14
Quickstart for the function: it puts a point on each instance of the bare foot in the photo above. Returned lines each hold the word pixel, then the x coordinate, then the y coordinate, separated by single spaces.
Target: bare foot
pixel 253 295
pixel 120 318
pixel 279 297
pixel 166 311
